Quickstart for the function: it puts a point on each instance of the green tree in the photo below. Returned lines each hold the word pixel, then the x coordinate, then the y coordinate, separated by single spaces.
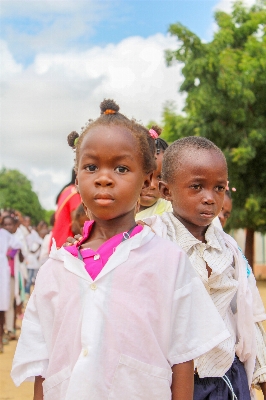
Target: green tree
pixel 16 192
pixel 225 82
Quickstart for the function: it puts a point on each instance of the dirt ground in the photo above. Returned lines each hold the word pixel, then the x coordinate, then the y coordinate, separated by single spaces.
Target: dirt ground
pixel 8 391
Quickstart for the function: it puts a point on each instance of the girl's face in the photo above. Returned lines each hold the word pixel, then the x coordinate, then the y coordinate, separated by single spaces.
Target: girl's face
pixel 110 174
pixel 225 211
pixel 150 195
pixel 197 190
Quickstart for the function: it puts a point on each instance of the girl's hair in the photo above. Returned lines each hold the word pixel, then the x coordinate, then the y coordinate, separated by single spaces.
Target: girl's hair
pixel 73 177
pixel 111 116
pixel 175 151
pixel 160 144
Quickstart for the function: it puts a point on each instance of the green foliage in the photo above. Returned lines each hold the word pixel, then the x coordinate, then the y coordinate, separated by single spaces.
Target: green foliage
pixel 16 193
pixel 47 216
pixel 225 83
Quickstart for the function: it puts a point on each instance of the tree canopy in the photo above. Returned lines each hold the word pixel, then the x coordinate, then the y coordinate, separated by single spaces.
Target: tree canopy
pixel 225 82
pixel 16 193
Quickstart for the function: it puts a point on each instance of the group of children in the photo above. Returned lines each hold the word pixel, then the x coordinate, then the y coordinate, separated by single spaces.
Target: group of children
pixel 154 301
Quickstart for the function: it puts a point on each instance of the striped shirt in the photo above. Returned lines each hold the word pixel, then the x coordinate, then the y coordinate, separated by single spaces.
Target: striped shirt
pixel 222 287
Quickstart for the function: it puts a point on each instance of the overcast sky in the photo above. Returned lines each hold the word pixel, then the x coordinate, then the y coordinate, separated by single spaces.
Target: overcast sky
pixel 60 58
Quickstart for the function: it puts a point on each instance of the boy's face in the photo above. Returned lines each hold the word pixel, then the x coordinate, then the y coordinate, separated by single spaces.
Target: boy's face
pixel 197 190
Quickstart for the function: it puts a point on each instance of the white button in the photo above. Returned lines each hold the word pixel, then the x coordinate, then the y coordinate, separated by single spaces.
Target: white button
pixel 96 257
pixel 85 352
pixel 93 286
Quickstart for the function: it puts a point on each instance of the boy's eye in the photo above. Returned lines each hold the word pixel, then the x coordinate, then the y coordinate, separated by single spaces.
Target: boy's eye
pixel 196 187
pixel 121 169
pixel 220 188
pixel 91 168
pixel 159 177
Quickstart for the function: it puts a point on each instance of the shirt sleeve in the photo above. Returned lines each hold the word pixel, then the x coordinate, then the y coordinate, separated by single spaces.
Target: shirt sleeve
pixel 197 327
pixel 31 356
pixel 259 375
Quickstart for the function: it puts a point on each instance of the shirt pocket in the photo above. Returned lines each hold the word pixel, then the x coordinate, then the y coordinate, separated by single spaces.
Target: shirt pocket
pixel 134 379
pixel 55 387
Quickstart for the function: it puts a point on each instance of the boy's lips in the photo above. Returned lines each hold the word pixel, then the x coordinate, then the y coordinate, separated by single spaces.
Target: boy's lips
pixel 207 214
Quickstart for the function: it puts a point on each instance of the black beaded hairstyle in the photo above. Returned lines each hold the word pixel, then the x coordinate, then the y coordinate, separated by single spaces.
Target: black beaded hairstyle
pixel 110 115
pixel 176 150
pixel 160 144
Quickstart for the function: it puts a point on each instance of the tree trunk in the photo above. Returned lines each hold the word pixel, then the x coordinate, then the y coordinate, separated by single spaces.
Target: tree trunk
pixel 249 246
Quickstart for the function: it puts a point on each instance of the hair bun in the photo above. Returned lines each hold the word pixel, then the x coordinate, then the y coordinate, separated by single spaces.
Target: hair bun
pixel 109 107
pixel 157 129
pixel 71 139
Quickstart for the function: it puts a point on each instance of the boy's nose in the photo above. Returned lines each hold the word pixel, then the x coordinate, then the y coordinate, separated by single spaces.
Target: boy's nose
pixel 208 198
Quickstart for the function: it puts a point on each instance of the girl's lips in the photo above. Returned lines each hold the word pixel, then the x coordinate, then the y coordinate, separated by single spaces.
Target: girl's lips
pixel 104 202
pixel 104 199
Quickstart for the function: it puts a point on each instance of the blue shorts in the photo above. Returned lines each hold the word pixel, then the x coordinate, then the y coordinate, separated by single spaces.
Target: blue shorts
pixel 217 389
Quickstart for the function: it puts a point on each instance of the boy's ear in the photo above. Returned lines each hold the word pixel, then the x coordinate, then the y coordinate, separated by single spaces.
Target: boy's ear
pixel 147 180
pixel 165 191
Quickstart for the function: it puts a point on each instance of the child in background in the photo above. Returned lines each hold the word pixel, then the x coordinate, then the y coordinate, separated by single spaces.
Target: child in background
pixel 150 200
pixel 194 179
pixel 7 241
pixel 122 314
pixel 225 212
pixel 15 257
pixel 79 220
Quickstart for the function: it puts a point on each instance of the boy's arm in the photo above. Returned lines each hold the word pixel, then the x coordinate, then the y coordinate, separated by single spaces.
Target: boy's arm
pixel 183 381
pixel 38 391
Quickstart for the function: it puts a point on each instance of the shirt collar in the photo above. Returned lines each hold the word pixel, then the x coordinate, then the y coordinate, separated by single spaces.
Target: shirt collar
pixel 186 240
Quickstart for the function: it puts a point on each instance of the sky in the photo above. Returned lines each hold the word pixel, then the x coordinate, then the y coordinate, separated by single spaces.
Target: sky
pixel 61 58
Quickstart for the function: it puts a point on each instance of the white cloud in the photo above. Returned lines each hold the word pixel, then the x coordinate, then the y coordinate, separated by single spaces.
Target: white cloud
pixel 31 26
pixel 226 5
pixel 58 93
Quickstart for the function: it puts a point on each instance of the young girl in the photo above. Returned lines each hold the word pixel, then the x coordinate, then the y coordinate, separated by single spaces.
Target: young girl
pixel 124 316
pixel 194 179
pixel 151 202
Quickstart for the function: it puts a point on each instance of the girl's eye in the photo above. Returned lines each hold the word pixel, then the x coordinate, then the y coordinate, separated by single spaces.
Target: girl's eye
pixel 91 168
pixel 159 177
pixel 121 169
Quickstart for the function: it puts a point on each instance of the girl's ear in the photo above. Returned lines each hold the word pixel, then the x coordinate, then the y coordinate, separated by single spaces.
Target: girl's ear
pixel 87 211
pixel 147 180
pixel 77 185
pixel 165 191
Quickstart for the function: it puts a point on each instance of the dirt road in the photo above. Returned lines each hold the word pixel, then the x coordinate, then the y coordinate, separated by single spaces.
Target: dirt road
pixel 8 391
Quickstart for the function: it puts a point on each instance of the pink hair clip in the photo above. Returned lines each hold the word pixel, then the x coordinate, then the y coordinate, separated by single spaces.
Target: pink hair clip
pixel 153 134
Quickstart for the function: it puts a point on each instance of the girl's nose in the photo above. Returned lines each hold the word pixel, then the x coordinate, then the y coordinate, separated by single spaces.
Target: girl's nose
pixel 104 180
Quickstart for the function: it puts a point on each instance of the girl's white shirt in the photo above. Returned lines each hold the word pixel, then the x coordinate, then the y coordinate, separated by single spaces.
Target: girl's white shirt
pixel 118 336
pixel 232 288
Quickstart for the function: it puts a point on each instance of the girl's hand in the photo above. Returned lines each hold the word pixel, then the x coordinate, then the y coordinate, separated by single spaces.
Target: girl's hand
pixel 73 240
pixel 38 390
pixel 183 381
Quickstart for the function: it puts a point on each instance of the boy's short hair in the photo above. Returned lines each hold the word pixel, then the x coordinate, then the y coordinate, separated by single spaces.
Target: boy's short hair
pixel 173 154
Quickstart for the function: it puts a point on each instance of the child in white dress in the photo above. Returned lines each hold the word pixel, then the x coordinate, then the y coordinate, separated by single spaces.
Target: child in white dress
pixel 123 314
